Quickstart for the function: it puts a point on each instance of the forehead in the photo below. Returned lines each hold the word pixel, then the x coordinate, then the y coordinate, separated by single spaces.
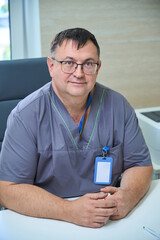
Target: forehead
pixel 69 48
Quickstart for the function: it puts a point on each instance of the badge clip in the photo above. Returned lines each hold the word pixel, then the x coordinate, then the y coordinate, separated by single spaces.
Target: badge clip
pixel 104 151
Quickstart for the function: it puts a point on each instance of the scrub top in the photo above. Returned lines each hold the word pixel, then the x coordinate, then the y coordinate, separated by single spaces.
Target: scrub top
pixel 42 144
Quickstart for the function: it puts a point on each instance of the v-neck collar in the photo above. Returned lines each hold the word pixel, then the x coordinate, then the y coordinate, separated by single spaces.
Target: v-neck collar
pixel 71 126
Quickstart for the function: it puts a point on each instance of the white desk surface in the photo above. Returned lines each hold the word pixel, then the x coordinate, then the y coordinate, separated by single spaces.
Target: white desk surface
pixel 14 226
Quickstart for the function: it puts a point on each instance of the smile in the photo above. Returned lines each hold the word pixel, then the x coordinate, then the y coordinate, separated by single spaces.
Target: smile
pixel 78 83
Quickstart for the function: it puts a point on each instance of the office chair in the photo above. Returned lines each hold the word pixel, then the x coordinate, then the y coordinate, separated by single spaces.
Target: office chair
pixel 19 78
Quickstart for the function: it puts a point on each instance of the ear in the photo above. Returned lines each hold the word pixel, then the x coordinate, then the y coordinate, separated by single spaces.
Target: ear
pixel 50 66
pixel 99 66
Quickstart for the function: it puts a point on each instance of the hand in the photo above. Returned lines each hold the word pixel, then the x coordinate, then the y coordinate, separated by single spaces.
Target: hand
pixel 91 210
pixel 124 201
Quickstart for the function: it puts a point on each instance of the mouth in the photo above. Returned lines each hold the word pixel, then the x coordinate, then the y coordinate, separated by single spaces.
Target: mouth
pixel 77 82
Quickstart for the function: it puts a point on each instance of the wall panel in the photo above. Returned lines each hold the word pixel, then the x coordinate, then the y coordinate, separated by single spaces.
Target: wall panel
pixel 129 36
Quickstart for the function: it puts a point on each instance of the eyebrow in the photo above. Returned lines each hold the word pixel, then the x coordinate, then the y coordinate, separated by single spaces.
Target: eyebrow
pixel 73 59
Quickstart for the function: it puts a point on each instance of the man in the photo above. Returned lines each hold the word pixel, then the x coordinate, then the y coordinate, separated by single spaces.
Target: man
pixel 55 134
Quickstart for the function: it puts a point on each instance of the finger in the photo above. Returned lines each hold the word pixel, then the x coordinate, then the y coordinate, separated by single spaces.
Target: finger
pixel 97 196
pixel 105 203
pixel 106 212
pixel 115 214
pixel 93 224
pixel 110 190
pixel 97 224
pixel 100 219
pixel 116 217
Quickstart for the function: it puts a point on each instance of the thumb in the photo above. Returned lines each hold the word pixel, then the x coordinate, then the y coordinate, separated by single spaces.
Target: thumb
pixel 96 196
pixel 109 189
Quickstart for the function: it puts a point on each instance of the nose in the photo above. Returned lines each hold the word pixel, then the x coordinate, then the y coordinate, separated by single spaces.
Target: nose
pixel 79 72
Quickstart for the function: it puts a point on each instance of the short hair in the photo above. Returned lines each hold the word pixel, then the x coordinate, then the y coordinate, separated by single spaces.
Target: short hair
pixel 79 35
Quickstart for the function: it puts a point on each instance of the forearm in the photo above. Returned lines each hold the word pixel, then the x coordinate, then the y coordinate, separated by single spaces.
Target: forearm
pixel 136 182
pixel 33 201
pixel 89 210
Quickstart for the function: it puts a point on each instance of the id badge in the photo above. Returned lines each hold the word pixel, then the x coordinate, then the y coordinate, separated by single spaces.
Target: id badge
pixel 103 170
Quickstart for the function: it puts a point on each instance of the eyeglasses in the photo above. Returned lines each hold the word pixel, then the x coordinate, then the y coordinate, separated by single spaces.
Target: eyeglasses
pixel 88 67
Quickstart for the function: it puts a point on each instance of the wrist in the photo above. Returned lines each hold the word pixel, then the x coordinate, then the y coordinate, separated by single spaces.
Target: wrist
pixel 66 210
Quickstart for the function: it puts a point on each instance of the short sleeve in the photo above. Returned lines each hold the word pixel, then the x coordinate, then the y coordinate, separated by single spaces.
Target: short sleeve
pixel 18 157
pixel 136 152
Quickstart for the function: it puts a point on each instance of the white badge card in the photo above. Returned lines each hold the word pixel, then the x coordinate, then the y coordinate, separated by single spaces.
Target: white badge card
pixel 103 170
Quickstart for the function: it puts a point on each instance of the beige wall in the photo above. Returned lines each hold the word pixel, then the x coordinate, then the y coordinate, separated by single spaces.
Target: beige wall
pixel 128 32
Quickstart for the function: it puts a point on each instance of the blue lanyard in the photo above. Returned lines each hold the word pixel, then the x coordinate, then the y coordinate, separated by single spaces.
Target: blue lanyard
pixel 65 124
pixel 80 127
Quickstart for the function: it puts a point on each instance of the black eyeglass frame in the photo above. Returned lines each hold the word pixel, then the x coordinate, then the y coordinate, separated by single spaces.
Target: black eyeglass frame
pixel 76 66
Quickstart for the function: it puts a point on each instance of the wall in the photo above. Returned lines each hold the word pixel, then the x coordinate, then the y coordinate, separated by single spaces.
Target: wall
pixel 129 36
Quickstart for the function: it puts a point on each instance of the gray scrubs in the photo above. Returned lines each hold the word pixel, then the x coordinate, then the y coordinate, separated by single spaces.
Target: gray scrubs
pixel 42 145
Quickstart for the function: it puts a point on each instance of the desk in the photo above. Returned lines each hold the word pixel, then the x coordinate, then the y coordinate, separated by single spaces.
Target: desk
pixel 14 226
pixel 156 170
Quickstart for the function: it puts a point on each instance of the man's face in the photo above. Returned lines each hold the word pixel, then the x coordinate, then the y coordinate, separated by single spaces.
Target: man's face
pixel 77 83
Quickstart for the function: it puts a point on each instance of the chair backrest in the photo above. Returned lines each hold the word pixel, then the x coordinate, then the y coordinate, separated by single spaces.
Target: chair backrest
pixel 19 78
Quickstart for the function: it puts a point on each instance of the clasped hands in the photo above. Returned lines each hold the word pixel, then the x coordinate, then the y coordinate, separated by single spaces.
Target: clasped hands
pixel 93 210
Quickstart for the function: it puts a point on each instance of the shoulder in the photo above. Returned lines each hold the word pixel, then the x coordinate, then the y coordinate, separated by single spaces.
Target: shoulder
pixel 31 110
pixel 110 93
pixel 33 101
pixel 114 100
